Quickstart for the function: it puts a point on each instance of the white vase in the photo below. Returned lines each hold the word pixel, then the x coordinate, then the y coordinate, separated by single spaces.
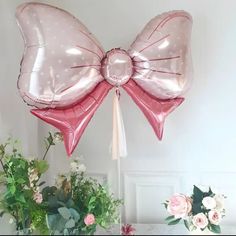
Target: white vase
pixel 200 232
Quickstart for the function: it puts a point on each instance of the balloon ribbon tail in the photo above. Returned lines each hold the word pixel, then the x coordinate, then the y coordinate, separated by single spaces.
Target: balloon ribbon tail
pixel 119 148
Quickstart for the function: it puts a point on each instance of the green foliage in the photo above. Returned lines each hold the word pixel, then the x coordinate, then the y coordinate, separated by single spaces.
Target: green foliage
pixel 92 197
pixel 197 197
pixel 70 203
pixel 214 228
pixel 64 221
pixel 169 218
pixel 20 177
pixel 165 204
pixel 197 207
pixel 174 222
pixel 63 208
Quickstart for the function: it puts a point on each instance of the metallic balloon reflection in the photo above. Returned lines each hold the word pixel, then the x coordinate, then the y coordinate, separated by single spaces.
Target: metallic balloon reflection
pixel 66 74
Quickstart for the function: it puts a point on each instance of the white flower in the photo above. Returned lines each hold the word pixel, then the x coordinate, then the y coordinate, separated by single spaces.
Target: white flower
pixel 11 221
pixel 200 221
pixel 73 166
pixel 214 217
pixel 220 202
pixel 76 167
pixel 58 137
pixel 81 168
pixel 209 202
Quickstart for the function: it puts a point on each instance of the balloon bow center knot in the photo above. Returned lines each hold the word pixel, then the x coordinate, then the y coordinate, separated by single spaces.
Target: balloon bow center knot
pixel 117 67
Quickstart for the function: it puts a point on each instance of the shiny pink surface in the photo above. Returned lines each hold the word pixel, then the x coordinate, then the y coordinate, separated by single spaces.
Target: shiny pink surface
pixel 162 57
pixel 117 67
pixel 62 59
pixel 155 110
pixel 66 74
pixel 72 121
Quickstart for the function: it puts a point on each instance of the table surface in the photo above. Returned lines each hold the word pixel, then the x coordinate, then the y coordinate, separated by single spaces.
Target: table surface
pixel 161 229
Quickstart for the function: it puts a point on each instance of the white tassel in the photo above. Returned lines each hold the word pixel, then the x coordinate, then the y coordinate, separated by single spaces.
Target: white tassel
pixel 119 148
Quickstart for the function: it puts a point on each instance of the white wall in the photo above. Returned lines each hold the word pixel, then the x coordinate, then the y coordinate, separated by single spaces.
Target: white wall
pixel 199 138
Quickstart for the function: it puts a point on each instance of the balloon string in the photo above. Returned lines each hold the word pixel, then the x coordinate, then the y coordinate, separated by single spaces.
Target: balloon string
pixel 119 148
pixel 119 194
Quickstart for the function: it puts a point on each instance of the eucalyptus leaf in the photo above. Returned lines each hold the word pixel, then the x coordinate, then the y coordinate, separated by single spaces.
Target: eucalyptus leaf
pixel 66 232
pixel 70 224
pixel 70 203
pixel 75 214
pixel 55 222
pixel 64 212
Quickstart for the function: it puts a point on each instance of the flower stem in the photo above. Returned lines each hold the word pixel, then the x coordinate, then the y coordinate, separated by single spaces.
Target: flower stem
pixel 46 152
pixel 3 166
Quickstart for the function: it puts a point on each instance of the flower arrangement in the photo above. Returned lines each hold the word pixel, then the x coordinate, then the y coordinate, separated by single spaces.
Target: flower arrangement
pixel 75 205
pixel 202 211
pixel 20 182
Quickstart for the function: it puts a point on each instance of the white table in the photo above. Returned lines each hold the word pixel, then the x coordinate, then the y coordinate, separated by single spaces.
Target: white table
pixel 161 229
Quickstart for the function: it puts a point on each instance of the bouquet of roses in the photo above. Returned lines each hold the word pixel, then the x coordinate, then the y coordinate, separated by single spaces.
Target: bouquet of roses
pixel 201 211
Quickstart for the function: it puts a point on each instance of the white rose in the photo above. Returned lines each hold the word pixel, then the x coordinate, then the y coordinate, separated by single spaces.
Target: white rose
pixel 209 202
pixel 220 202
pixel 200 221
pixel 214 217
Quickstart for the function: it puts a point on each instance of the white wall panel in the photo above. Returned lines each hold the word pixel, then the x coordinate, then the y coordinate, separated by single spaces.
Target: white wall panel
pixel 199 140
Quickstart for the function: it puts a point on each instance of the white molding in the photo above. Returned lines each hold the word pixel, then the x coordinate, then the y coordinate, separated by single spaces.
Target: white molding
pixel 134 183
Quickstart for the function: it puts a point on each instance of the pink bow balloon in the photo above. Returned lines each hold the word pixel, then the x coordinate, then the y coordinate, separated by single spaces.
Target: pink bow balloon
pixel 66 74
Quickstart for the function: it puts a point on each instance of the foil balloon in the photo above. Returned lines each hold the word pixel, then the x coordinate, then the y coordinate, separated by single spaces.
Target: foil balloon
pixel 65 73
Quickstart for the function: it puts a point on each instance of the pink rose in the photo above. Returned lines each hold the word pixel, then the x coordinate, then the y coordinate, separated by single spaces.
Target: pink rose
pixel 89 219
pixel 214 217
pixel 179 206
pixel 38 197
pixel 200 221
